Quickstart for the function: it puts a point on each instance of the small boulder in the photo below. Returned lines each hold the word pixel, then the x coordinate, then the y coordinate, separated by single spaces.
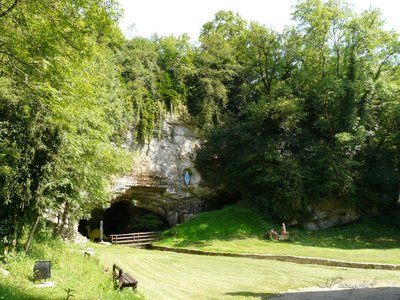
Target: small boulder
pixel 4 272
pixel 89 252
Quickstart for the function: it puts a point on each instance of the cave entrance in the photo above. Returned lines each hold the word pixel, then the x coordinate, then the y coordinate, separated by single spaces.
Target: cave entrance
pixel 121 217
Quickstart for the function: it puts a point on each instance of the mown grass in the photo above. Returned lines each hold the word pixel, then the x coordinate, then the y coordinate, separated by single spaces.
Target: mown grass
pixel 166 275
pixel 240 229
pixel 69 270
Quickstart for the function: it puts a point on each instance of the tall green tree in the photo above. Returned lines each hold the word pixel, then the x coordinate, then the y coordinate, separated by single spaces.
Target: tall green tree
pixel 175 58
pixel 45 51
pixel 211 86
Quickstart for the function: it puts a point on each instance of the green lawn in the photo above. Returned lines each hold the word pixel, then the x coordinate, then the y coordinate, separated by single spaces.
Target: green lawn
pixel 165 275
pixel 240 229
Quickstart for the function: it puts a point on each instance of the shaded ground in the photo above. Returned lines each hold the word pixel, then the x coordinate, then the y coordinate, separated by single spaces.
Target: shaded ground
pixel 381 293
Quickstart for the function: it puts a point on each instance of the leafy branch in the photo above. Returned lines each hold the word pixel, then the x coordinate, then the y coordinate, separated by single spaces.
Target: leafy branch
pixel 8 10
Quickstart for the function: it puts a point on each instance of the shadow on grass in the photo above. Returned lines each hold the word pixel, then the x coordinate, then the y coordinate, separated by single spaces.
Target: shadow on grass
pixel 387 293
pixel 249 295
pixel 359 235
pixel 10 292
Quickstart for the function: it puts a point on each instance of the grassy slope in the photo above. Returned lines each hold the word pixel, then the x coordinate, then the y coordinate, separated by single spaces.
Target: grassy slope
pixel 240 229
pixel 69 270
pixel 166 275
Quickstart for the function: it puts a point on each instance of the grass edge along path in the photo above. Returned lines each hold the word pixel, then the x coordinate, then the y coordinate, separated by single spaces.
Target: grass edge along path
pixel 286 258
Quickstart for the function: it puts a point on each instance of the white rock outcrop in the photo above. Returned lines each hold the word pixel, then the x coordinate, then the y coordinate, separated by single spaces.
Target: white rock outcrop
pixel 157 178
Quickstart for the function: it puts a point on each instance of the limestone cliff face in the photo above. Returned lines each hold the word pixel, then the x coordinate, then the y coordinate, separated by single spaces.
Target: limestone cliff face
pixel 157 178
pixel 329 214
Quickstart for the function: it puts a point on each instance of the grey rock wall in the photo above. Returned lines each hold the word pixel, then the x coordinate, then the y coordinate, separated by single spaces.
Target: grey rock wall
pixel 331 214
pixel 156 181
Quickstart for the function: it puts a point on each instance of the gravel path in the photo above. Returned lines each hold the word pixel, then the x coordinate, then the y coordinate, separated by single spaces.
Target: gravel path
pixel 381 293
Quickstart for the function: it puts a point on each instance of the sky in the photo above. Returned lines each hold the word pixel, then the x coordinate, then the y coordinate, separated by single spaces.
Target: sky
pixel 175 17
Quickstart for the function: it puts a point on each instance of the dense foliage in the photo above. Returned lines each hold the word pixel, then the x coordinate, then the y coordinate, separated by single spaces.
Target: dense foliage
pixel 309 115
pixel 62 104
pixel 291 119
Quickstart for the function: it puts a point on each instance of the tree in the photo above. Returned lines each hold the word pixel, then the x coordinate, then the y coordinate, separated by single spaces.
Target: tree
pixel 217 69
pixel 308 109
pixel 46 50
pixel 175 58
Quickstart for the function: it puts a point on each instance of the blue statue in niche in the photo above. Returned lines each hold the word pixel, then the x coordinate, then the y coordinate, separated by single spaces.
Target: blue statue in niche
pixel 186 177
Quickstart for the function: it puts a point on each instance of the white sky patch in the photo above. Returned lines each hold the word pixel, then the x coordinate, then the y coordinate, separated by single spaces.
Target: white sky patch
pixel 176 17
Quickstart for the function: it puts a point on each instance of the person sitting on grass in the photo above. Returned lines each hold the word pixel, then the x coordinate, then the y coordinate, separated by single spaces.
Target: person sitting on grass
pixel 273 235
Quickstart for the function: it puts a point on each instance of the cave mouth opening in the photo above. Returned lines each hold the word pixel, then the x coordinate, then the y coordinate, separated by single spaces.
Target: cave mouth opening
pixel 121 217
pixel 222 199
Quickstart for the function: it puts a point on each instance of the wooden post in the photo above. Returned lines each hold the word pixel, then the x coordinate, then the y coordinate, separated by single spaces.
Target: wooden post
pixel 101 230
pixel 28 243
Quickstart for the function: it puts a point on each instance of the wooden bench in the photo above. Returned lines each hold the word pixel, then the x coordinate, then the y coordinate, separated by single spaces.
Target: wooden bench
pixel 124 279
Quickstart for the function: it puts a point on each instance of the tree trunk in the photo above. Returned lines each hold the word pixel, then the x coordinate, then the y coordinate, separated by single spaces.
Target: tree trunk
pixel 398 199
pixel 63 219
pixel 28 243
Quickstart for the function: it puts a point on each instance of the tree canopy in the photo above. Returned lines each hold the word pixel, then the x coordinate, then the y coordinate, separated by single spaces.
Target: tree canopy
pixel 302 112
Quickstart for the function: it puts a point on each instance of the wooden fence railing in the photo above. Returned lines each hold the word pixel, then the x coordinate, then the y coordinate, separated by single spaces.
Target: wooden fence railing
pixel 135 239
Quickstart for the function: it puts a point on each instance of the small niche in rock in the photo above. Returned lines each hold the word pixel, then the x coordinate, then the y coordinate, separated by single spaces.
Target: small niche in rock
pixel 121 217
